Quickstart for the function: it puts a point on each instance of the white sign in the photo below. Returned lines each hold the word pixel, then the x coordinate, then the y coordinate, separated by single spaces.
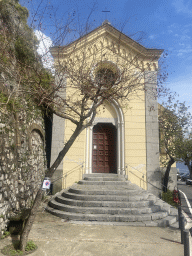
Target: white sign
pixel 46 184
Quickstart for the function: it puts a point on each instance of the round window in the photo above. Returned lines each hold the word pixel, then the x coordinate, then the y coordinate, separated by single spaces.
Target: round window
pixel 105 77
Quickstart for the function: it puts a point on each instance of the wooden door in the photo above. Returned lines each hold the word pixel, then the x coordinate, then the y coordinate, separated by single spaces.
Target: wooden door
pixel 104 148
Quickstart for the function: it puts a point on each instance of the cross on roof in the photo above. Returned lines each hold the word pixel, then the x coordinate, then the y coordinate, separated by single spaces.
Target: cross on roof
pixel 106 13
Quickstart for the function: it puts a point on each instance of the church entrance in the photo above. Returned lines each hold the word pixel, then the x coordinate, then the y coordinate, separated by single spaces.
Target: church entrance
pixel 104 148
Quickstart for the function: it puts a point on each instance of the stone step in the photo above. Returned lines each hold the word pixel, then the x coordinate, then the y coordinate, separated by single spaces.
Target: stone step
pixel 174 225
pixel 114 183
pixel 111 198
pixel 124 204
pixel 118 187
pixel 106 217
pixel 127 198
pixel 103 191
pixel 103 210
pixel 108 175
pixel 105 178
pixel 168 221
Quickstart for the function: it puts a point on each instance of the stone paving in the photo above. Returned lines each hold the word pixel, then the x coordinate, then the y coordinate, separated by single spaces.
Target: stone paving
pixel 55 237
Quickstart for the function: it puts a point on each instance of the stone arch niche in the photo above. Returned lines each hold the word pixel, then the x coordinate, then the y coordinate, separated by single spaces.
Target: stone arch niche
pixel 36 141
pixel 109 113
pixel 32 130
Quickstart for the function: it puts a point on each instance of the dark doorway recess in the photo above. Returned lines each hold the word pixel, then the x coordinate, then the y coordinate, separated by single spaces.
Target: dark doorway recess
pixel 104 148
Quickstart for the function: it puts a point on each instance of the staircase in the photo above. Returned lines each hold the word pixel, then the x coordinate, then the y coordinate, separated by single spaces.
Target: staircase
pixel 111 198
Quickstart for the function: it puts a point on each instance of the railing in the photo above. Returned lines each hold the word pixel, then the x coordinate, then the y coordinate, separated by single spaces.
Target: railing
pixel 185 233
pixel 67 174
pixel 142 179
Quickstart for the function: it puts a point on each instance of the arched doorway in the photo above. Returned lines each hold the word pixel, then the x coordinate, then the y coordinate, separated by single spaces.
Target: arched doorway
pixel 115 118
pixel 104 158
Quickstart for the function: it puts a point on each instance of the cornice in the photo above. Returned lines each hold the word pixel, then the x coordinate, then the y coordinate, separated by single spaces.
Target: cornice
pixel 107 29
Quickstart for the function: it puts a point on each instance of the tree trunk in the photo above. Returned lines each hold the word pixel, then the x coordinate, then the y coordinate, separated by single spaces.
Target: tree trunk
pixel 189 165
pixel 33 212
pixel 64 151
pixel 30 220
pixel 166 176
pixel 190 171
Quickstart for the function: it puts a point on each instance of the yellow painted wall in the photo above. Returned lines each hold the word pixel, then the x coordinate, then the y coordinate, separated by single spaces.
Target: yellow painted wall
pixel 134 114
pixel 106 111
pixel 73 164
pixel 135 142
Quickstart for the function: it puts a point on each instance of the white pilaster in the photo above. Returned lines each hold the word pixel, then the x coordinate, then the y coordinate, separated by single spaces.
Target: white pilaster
pixel 118 148
pixel 90 148
pixel 87 152
pixel 123 148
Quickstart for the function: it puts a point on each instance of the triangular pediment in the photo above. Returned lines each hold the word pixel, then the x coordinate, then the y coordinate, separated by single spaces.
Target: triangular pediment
pixel 113 38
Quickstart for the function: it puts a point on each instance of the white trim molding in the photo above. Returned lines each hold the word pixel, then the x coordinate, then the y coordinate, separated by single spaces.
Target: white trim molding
pixel 119 123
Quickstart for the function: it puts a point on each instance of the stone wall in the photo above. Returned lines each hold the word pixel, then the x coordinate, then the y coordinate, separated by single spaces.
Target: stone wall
pixel 152 134
pixel 22 151
pixel 22 163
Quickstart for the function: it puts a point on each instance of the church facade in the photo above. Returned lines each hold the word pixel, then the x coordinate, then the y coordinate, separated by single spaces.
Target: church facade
pixel 123 138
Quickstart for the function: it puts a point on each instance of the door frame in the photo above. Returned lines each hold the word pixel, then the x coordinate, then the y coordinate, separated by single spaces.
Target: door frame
pixel 119 123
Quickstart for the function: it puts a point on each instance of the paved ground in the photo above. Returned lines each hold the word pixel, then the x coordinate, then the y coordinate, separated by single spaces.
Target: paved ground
pixel 56 237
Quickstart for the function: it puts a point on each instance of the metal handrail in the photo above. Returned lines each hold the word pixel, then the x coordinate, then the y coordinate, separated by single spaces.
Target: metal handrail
pixel 135 169
pixel 82 165
pixel 69 172
pixel 147 182
pixel 143 174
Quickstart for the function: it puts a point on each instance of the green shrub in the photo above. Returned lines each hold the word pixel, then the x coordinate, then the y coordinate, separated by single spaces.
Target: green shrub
pixel 30 246
pixel 13 249
pixel 171 197
pixel 5 234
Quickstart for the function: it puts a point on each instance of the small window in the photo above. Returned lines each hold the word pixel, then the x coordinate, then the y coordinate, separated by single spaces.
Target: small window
pixel 105 77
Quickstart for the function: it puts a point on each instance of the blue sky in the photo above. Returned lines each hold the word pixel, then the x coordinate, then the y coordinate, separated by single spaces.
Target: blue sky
pixel 164 24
